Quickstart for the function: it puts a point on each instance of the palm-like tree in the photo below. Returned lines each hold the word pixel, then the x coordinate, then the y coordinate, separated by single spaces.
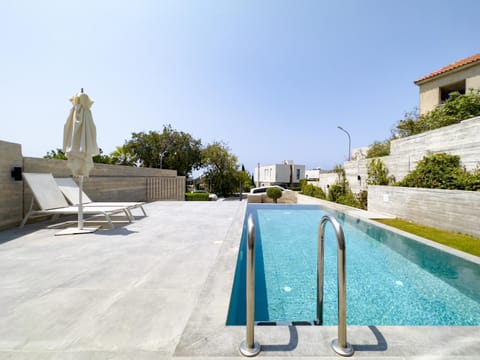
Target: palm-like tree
pixel 122 156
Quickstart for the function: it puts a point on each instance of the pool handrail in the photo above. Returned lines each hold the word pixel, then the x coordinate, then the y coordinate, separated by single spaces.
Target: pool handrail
pixel 249 347
pixel 340 345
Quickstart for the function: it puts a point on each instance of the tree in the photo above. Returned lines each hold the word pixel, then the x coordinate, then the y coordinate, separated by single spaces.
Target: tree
pixel 245 180
pixel 122 156
pixel 221 169
pixel 274 193
pixel 341 177
pixel 102 158
pixel 59 154
pixel 378 173
pixel 411 124
pixel 56 154
pixel 170 149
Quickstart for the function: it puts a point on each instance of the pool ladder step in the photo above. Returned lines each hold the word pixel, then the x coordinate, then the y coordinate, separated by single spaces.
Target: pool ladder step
pixel 249 347
pixel 285 323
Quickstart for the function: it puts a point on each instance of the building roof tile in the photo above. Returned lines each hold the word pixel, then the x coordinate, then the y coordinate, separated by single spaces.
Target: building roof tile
pixel 453 66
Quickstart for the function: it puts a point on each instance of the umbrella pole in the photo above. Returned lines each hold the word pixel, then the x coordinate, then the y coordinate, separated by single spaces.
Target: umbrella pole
pixel 80 204
pixel 79 229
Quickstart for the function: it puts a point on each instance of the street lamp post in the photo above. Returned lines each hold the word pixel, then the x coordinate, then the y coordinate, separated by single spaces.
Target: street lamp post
pixel 258 173
pixel 349 142
pixel 161 155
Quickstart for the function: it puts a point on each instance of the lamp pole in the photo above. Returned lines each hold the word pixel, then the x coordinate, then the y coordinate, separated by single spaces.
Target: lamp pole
pixel 349 142
pixel 258 177
pixel 161 155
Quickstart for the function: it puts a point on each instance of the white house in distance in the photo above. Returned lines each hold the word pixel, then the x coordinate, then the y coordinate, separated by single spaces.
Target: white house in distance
pixel 284 174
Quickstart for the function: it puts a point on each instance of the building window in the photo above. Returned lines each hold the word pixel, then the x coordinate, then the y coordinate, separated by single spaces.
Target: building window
pixel 449 90
pixel 298 174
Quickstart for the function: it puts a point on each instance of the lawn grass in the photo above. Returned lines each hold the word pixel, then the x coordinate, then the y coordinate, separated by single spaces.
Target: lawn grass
pixel 466 243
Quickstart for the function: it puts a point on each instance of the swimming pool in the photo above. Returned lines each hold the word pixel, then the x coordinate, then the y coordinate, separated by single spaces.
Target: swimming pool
pixel 391 279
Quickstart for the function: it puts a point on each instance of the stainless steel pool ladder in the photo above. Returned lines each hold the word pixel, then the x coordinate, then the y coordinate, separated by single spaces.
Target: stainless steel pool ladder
pixel 249 347
pixel 340 345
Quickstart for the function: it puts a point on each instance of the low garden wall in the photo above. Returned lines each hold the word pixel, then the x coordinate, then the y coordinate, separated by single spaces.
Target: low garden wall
pixel 288 197
pixel 452 210
pixel 105 183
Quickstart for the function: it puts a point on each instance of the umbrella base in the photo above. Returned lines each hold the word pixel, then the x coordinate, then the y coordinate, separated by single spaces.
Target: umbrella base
pixel 77 231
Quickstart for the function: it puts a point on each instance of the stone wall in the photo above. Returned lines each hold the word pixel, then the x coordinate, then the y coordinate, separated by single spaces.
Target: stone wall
pixel 105 183
pixel 451 210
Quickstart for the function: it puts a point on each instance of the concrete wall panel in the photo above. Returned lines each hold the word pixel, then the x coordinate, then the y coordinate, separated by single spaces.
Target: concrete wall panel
pixel 11 191
pixel 451 210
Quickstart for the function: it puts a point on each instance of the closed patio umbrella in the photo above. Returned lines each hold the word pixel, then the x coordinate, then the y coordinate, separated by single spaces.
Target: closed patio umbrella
pixel 80 144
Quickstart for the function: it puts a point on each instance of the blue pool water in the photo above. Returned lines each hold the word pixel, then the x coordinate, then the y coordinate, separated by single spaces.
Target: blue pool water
pixel 391 279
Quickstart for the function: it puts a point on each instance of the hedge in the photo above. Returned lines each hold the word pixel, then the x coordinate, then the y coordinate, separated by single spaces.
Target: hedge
pixel 196 197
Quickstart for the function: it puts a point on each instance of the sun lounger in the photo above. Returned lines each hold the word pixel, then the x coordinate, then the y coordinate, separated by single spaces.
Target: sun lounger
pixel 70 189
pixel 51 201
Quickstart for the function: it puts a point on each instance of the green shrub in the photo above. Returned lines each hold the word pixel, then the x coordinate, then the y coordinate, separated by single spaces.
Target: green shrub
pixel 318 193
pixel 378 149
pixel 362 199
pixel 349 199
pixel 455 109
pixel 335 192
pixel 472 180
pixel 303 183
pixel 442 171
pixel 307 189
pixel 340 191
pixel 274 193
pixel 314 191
pixel 196 197
pixel 378 173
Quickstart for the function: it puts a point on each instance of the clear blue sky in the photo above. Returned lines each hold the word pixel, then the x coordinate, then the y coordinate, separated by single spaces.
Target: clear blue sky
pixel 272 79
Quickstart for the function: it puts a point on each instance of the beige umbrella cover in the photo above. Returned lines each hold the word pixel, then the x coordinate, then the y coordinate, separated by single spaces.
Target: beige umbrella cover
pixel 80 142
pixel 80 136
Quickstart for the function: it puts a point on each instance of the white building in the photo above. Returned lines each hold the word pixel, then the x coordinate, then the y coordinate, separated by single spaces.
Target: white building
pixel 459 76
pixel 287 173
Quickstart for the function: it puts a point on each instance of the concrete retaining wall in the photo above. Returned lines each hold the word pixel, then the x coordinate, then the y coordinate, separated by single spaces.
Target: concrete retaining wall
pixel 105 183
pixel 451 210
